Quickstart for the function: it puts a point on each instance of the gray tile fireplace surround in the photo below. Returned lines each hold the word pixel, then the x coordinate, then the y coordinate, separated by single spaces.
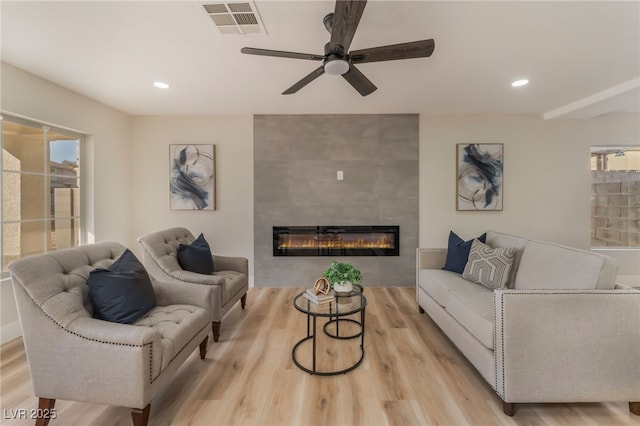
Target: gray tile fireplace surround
pixel 296 160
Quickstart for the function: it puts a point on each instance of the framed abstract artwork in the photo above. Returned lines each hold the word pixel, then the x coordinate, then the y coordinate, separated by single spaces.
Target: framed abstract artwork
pixel 479 177
pixel 193 173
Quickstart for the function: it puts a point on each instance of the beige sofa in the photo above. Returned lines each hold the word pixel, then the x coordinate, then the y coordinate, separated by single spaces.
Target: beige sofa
pixel 229 281
pixel 73 356
pixel 561 332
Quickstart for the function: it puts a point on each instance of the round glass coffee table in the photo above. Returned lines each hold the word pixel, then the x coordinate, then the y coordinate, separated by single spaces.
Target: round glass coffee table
pixel 336 312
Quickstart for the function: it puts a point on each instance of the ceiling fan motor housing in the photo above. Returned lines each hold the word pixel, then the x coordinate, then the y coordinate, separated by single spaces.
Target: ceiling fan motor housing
pixel 328 22
pixel 335 64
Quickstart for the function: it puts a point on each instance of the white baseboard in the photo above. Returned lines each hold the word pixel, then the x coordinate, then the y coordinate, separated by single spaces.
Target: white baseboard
pixel 9 332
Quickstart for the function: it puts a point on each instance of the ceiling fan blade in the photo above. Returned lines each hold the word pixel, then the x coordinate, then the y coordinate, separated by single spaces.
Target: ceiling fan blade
pixel 414 49
pixel 345 22
pixel 304 81
pixel 359 81
pixel 281 54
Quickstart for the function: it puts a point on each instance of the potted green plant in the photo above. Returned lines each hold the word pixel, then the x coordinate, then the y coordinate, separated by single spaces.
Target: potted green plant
pixel 342 276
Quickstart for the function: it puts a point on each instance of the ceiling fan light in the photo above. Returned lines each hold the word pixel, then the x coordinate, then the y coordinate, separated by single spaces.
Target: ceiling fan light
pixel 161 84
pixel 520 83
pixel 336 67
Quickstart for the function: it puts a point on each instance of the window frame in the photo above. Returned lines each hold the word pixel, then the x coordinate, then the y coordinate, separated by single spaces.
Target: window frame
pixel 47 175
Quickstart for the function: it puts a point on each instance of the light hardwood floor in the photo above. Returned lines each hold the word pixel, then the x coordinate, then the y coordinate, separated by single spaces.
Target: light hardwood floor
pixel 411 375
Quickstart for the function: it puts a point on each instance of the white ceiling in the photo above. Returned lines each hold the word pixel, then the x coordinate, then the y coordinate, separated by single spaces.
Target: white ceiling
pixel 582 57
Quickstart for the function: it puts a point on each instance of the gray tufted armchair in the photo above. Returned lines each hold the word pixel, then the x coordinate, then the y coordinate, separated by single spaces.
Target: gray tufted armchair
pixel 229 281
pixel 72 356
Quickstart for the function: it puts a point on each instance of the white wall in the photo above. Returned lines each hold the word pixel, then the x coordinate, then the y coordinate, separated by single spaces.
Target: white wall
pixel 229 228
pixel 107 198
pixel 546 177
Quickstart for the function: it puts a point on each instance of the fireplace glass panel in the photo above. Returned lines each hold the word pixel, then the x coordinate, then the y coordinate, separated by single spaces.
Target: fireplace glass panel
pixel 336 241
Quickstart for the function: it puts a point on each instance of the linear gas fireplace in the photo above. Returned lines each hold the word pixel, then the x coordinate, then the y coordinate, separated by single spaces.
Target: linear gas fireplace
pixel 336 240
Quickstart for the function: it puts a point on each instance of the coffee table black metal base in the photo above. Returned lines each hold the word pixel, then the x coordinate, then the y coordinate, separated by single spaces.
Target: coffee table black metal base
pixel 335 317
pixel 337 322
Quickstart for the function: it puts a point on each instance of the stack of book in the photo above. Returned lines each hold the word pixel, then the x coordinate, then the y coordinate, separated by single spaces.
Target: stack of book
pixel 318 299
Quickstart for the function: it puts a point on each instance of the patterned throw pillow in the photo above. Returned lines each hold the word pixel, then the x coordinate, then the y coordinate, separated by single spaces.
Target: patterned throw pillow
pixel 488 266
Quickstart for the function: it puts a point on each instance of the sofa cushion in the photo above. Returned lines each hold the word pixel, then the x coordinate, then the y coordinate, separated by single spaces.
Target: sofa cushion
pixel 177 325
pixel 489 266
pixel 474 311
pixel 458 252
pixel 196 257
pixel 438 283
pixel 546 265
pixel 234 282
pixel 499 239
pixel 123 292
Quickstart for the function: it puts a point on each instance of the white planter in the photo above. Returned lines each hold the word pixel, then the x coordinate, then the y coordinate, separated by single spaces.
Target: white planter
pixel 343 288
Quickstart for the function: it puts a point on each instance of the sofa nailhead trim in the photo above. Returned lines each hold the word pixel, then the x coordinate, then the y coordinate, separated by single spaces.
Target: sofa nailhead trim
pixel 80 335
pixel 502 391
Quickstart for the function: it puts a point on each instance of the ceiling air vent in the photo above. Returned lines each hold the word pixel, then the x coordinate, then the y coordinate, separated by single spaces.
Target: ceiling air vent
pixel 235 17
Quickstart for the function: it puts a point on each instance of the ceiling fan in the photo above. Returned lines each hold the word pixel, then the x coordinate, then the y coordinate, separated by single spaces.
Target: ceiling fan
pixel 337 58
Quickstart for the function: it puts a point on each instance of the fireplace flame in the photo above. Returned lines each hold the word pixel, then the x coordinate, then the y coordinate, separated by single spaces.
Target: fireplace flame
pixel 372 241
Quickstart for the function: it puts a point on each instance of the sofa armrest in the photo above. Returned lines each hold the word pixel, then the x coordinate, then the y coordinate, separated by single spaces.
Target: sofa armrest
pixel 112 333
pixel 182 294
pixel 567 345
pixel 184 277
pixel 117 359
pixel 230 263
pixel 430 258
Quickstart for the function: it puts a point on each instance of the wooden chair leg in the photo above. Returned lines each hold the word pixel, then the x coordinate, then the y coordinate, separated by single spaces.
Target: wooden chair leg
pixel 139 416
pixel 634 407
pixel 203 347
pixel 509 408
pixel 243 301
pixel 215 327
pixel 420 309
pixel 45 411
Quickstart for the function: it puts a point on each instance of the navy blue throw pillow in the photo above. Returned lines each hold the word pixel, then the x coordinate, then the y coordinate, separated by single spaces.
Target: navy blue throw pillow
pixel 458 252
pixel 196 257
pixel 123 292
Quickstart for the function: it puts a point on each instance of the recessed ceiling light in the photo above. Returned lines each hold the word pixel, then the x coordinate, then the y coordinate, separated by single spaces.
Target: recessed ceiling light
pixel 519 83
pixel 161 84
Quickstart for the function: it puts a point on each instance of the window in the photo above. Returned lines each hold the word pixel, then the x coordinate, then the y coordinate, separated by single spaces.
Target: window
pixel 615 196
pixel 40 189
